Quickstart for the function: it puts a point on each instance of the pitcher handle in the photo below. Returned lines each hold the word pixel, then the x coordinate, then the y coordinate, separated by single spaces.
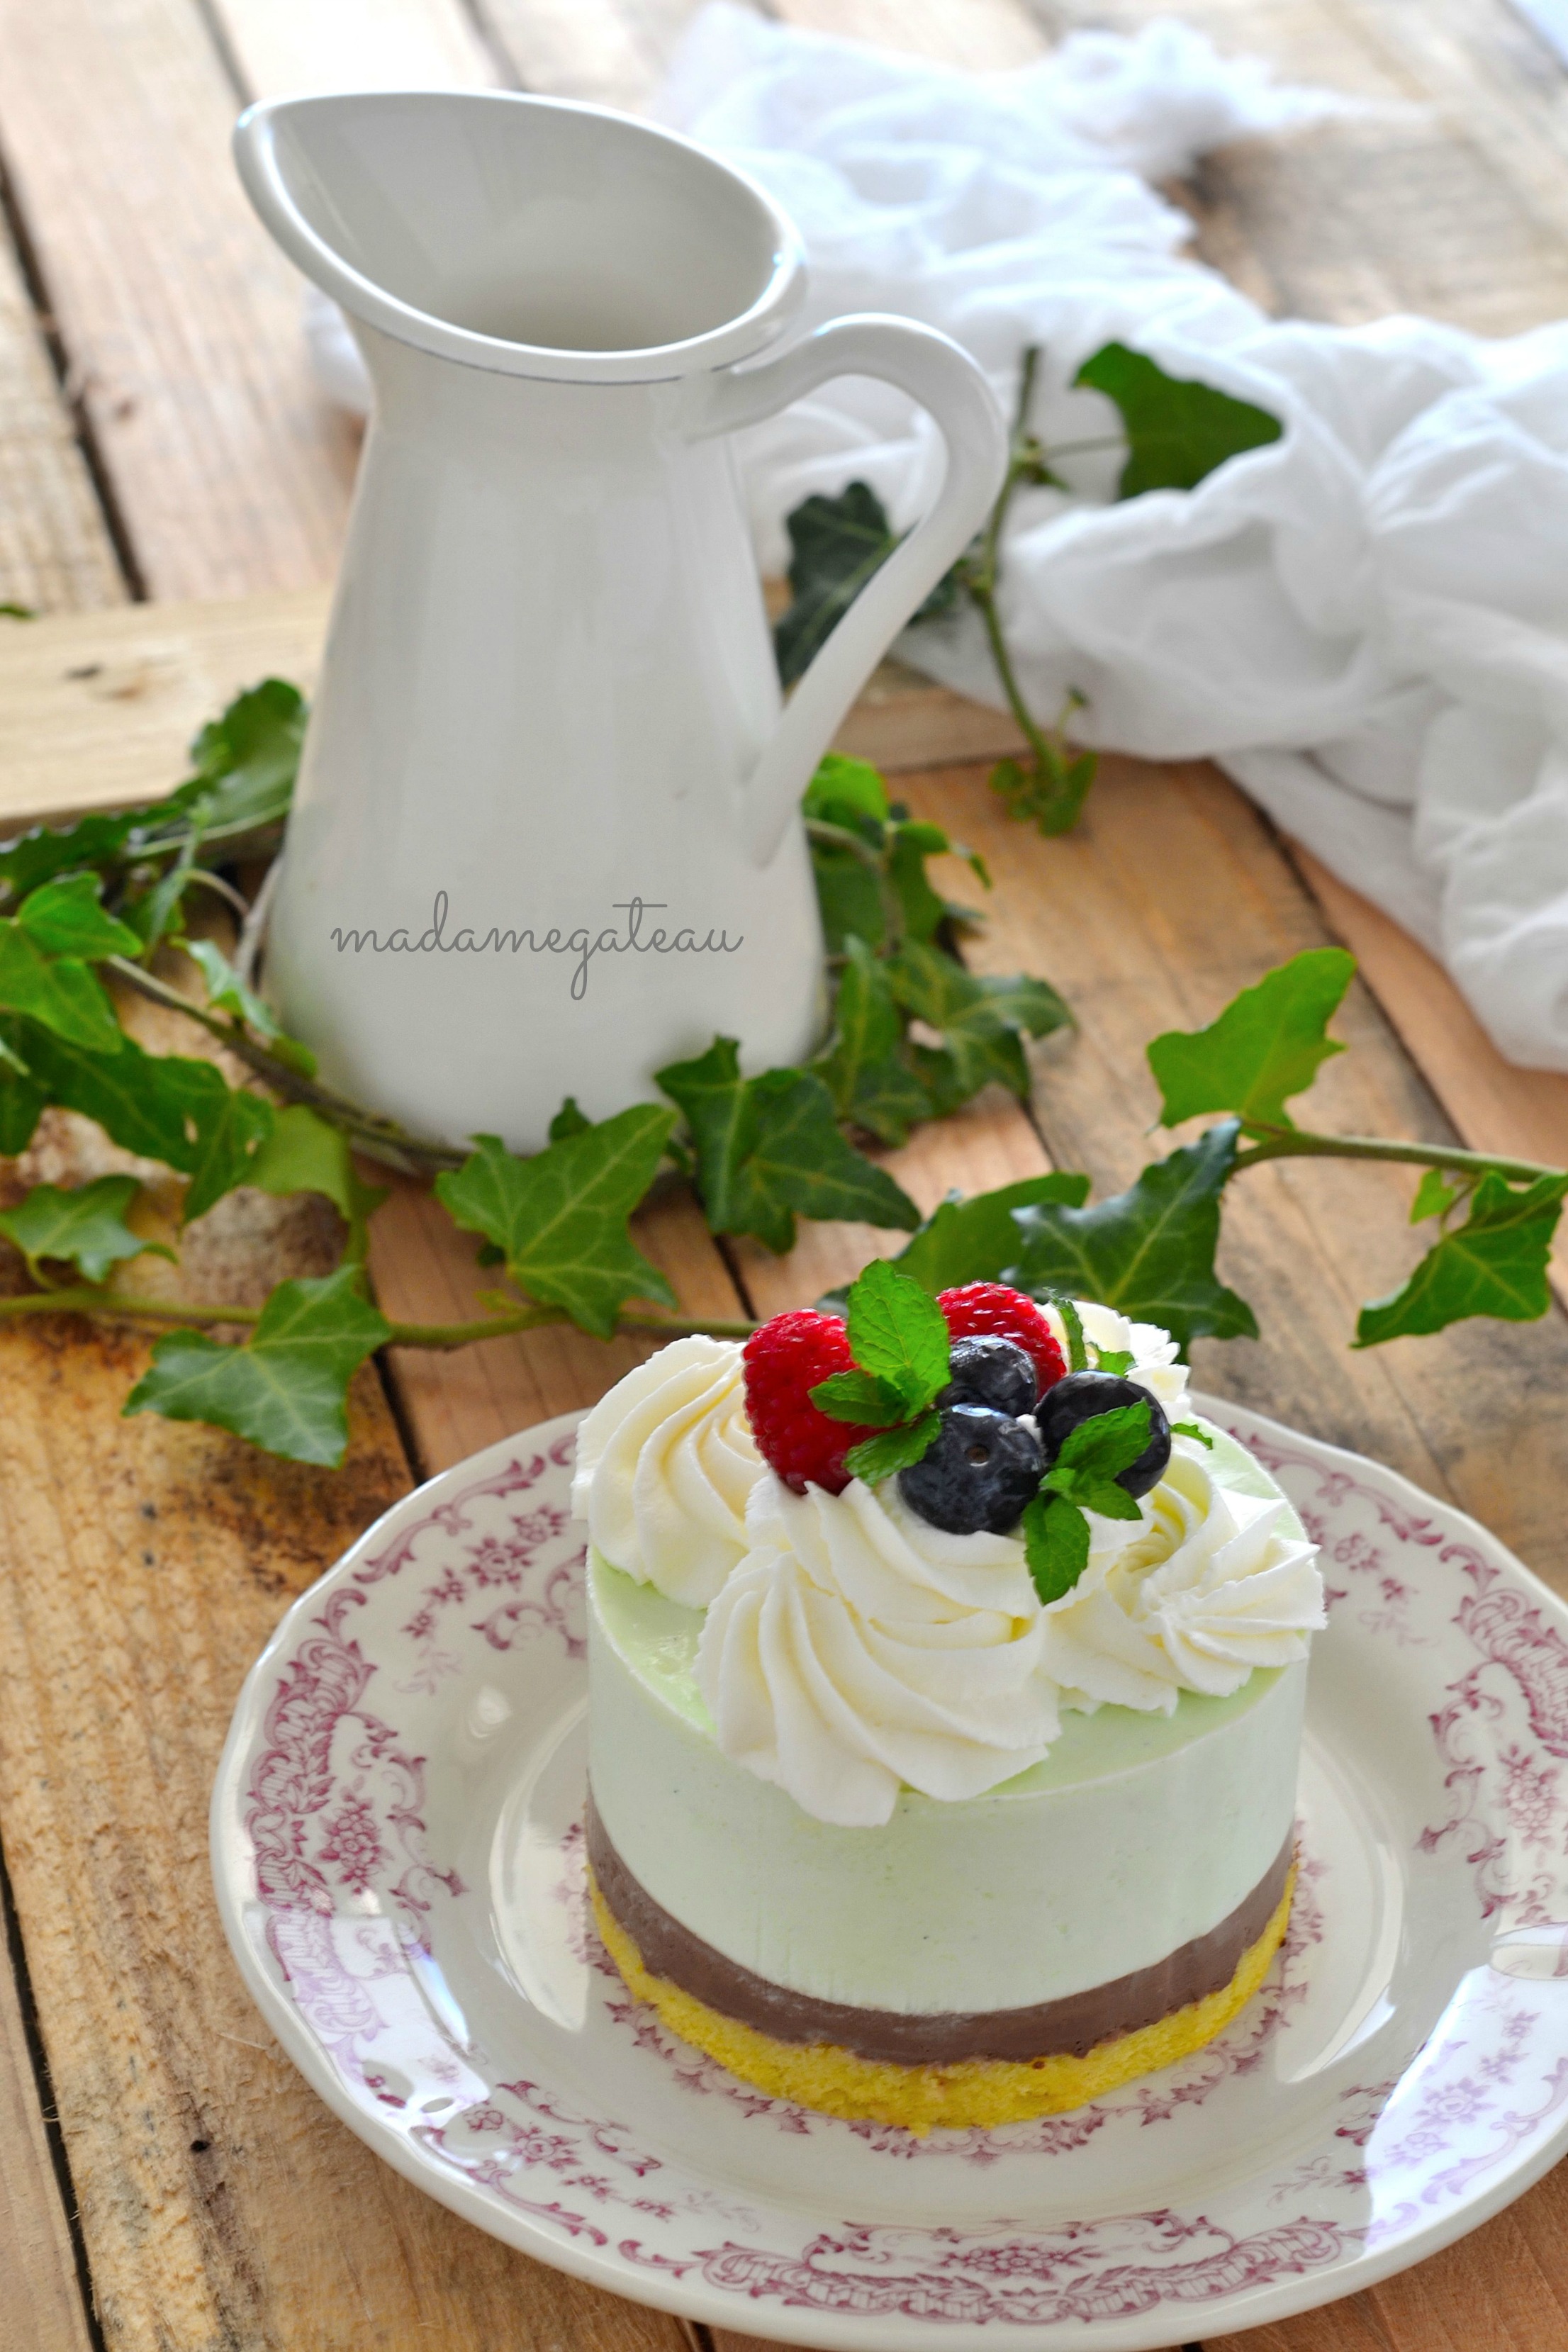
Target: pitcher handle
pixel 947 383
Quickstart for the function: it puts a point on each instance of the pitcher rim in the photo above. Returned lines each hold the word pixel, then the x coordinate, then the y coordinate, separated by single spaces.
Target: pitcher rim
pixel 740 338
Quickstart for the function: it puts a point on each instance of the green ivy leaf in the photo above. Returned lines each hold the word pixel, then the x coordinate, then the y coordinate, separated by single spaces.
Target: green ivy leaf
pixel 1178 431
pixel 287 1389
pixel 861 892
pixel 899 1334
pixel 22 1102
pixel 227 992
pixel 982 1021
pixel 304 1154
pixel 971 1241
pixel 568 1121
pixel 560 1216
pixel 1055 1546
pixel 244 762
pixel 1434 1196
pixel 859 1397
pixel 769 1148
pixel 910 842
pixel 864 1067
pixel 161 1106
pixel 876 1458
pixel 60 993
pixel 836 546
pixel 847 791
pixel 228 1136
pixel 64 918
pixel 1268 1044
pixel 1149 1251
pixel 41 854
pixel 85 1228
pixel 1494 1263
pixel 848 898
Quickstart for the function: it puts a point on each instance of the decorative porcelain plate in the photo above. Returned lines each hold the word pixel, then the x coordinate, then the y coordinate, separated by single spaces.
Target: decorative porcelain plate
pixel 397 1848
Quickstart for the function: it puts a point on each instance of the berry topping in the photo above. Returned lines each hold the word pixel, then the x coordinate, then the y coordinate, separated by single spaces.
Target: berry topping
pixel 990 1310
pixel 989 1370
pixel 1079 1397
pixel 979 1473
pixel 784 1359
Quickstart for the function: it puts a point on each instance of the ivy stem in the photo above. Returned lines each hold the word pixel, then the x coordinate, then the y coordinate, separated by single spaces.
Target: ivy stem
pixel 980 578
pixel 1296 1143
pixel 379 1138
pixel 83 1299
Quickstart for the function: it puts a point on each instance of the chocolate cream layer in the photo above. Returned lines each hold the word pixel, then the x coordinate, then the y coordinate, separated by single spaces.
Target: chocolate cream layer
pixel 1077 2023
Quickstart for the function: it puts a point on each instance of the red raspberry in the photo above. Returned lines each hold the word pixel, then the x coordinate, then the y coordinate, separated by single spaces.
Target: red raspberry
pixel 784 1359
pixel 990 1310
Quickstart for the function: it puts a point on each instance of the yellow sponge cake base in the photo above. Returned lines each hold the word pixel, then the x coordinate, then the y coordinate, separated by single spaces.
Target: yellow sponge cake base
pixel 968 2093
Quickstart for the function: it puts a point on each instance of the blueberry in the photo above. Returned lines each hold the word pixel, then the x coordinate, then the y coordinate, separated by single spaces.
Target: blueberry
pixel 1079 1396
pixel 980 1472
pixel 988 1370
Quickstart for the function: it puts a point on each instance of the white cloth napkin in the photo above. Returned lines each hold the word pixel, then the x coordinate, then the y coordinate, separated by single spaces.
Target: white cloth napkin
pixel 1366 622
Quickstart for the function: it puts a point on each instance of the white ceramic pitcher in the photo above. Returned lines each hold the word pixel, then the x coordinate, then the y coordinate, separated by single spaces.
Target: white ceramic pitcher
pixel 546 832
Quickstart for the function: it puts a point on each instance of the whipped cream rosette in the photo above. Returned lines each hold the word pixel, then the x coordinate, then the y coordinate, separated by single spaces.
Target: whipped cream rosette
pixel 1211 1585
pixel 856 1649
pixel 665 1466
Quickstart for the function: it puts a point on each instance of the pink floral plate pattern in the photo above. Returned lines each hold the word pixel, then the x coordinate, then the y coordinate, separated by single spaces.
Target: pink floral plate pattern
pixel 397 1848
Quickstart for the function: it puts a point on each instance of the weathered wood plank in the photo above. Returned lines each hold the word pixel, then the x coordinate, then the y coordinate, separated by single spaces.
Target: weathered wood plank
pixel 611 52
pixel 56 554
pixel 982 35
pixel 97 710
pixel 181 320
pixel 289 48
pixel 42 2302
pixel 1443 197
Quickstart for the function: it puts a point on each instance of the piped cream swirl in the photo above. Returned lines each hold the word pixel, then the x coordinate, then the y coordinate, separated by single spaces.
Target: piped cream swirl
pixel 857 1648
pixel 666 1463
pixel 1212 1585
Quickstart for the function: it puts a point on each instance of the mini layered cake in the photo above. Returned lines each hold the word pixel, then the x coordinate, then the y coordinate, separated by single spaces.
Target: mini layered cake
pixel 942 1760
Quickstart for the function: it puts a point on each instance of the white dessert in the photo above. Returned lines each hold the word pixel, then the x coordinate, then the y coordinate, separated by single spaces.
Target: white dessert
pixel 1129 1831
pixel 839 1756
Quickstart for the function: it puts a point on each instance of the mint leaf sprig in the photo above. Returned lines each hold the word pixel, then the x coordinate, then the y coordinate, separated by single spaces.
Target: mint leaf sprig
pixel 902 1347
pixel 1082 1478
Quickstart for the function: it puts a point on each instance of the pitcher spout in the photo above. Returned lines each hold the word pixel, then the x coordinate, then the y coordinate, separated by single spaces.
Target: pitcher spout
pixel 524 235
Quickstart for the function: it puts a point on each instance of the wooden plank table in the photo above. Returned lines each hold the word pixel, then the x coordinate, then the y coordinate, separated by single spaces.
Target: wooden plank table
pixel 167 2182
